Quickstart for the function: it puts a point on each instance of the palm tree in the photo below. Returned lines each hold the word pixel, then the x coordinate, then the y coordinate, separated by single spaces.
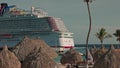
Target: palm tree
pixel 102 34
pixel 117 34
pixel 90 22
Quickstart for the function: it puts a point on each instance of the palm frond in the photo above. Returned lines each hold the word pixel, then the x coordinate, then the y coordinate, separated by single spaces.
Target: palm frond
pixel 89 1
pixel 102 34
pixel 118 39
pixel 117 33
pixel 108 36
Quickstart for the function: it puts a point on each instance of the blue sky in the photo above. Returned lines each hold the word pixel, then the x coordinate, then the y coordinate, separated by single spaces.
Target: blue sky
pixel 105 13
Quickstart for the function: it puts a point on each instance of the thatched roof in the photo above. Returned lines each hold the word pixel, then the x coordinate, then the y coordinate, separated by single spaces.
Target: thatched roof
pixel 8 59
pixel 71 57
pixel 111 59
pixel 27 45
pixel 100 52
pixel 38 60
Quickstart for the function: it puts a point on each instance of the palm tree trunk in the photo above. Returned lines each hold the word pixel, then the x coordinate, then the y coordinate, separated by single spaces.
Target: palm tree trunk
pixel 87 40
pixel 101 42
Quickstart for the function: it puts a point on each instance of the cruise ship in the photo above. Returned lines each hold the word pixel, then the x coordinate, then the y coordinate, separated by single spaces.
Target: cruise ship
pixel 16 23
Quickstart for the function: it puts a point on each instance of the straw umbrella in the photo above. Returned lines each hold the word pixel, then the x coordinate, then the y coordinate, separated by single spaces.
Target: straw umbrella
pixel 110 59
pixel 38 60
pixel 71 57
pixel 8 59
pixel 99 53
pixel 27 45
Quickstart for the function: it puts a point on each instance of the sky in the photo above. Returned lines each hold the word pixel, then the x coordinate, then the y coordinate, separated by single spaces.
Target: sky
pixel 105 14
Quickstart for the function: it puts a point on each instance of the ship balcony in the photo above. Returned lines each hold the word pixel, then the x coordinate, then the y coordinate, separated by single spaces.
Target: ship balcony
pixel 63 36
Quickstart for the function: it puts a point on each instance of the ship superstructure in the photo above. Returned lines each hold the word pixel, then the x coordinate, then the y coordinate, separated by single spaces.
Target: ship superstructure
pixel 16 23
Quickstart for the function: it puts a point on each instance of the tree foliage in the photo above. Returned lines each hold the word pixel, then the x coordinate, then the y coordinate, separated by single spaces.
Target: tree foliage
pixel 88 0
pixel 102 34
pixel 117 34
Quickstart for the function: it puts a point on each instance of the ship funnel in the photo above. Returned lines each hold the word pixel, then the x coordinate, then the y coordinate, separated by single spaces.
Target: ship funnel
pixel 3 8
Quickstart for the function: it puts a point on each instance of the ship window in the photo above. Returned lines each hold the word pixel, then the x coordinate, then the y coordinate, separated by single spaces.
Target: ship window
pixel 65 34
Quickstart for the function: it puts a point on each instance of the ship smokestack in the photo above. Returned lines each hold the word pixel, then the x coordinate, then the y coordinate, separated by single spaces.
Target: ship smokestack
pixel 3 8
